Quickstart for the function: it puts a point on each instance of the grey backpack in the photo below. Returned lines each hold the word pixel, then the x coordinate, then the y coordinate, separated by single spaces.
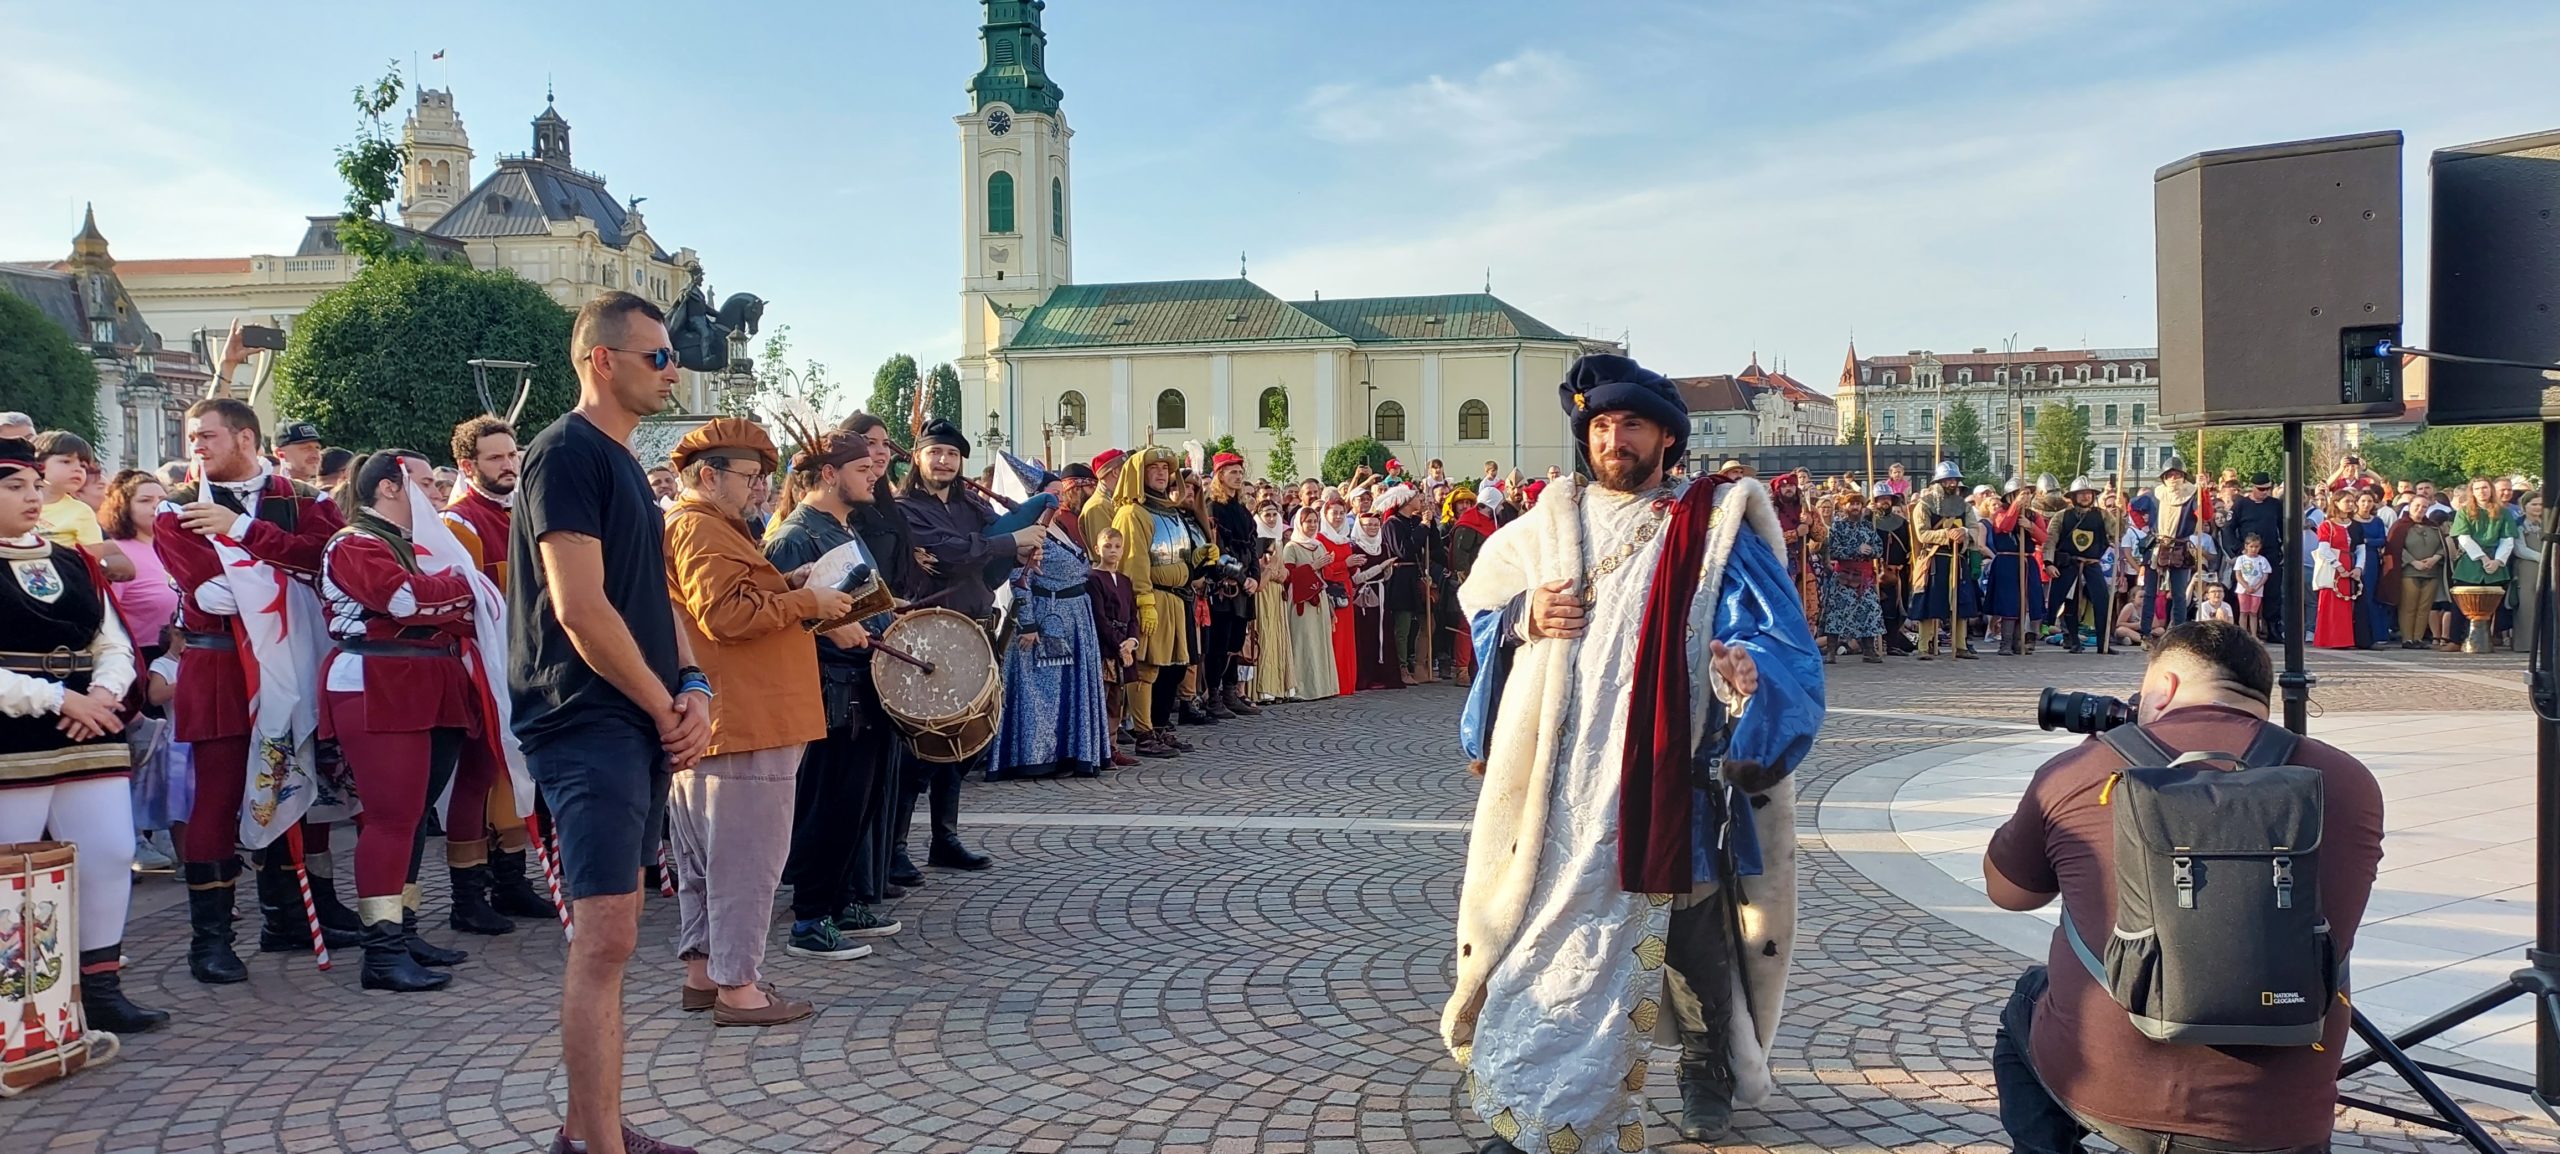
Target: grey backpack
pixel 2218 938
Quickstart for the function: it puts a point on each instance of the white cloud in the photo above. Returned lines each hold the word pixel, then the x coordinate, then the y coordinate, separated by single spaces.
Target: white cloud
pixel 1992 24
pixel 1946 224
pixel 1514 111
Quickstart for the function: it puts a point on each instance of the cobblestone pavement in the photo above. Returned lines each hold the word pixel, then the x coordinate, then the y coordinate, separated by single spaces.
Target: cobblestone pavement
pixel 1231 952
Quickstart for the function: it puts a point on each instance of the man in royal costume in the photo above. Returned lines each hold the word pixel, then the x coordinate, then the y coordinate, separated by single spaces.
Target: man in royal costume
pixel 1941 527
pixel 1648 684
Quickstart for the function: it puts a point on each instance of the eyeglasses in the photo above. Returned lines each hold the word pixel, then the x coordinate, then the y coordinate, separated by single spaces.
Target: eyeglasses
pixel 751 477
pixel 658 358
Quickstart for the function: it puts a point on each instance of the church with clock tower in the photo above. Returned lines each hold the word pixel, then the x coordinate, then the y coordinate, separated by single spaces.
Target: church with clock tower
pixel 1465 377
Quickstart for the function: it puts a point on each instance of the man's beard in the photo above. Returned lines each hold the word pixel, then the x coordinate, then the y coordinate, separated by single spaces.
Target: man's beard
pixel 497 488
pixel 1623 471
pixel 850 493
pixel 937 485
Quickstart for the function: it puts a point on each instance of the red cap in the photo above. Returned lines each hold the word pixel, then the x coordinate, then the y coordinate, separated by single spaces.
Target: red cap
pixel 1103 459
pixel 1394 465
pixel 1223 460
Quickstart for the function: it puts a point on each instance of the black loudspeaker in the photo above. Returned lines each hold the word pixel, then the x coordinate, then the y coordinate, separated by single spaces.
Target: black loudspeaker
pixel 2279 282
pixel 2495 280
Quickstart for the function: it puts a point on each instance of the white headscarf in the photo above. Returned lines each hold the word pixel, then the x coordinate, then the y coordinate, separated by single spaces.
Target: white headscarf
pixel 1367 542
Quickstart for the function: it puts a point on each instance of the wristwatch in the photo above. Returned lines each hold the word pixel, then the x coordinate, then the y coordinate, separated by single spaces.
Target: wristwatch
pixel 690 679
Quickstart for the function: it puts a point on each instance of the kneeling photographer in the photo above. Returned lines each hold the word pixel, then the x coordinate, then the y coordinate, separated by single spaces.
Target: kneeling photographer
pixel 2193 997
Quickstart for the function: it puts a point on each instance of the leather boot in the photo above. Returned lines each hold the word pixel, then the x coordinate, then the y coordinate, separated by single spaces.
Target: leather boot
pixel 339 925
pixel 102 994
pixel 945 851
pixel 1237 705
pixel 1956 649
pixel 2008 638
pixel 389 964
pixel 427 953
pixel 1872 651
pixel 1216 707
pixel 284 929
pixel 210 958
pixel 1706 1101
pixel 471 910
pixel 1190 713
pixel 512 892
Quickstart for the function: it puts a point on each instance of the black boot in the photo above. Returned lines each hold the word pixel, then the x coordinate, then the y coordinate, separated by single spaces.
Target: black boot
pixel 102 994
pixel 287 926
pixel 1706 1102
pixel 428 954
pixel 471 911
pixel 512 891
pixel 338 924
pixel 389 964
pixel 1190 713
pixel 945 851
pixel 210 958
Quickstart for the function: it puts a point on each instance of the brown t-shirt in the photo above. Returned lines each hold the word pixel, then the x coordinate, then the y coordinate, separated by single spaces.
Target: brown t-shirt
pixel 2062 840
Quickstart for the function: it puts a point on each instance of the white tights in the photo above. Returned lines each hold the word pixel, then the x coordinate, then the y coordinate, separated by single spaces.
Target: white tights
pixel 95 816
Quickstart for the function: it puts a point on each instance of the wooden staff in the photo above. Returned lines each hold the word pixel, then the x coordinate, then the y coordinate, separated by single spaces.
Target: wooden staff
pixel 1869 436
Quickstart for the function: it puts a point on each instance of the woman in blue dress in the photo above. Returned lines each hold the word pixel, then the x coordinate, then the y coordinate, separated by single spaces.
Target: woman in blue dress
pixel 2369 530
pixel 1053 721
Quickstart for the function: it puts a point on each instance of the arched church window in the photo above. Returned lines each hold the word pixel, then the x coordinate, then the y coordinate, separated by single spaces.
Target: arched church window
pixel 1171 411
pixel 1071 410
pixel 1000 202
pixel 1389 425
pixel 1274 408
pixel 1057 207
pixel 1475 422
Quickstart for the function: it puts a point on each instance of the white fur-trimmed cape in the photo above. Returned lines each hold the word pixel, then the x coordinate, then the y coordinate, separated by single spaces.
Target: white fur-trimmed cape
pixel 1506 841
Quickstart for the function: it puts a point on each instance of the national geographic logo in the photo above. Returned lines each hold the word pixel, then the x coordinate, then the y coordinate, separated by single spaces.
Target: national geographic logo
pixel 2274 998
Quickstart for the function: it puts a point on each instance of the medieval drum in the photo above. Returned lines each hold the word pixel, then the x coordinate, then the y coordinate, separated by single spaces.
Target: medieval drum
pixel 43 1033
pixel 948 714
pixel 2479 603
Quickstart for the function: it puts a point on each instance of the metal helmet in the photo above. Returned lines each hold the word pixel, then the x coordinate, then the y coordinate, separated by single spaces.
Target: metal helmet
pixel 1947 471
pixel 2173 465
pixel 1885 489
pixel 2046 484
pixel 2012 485
pixel 2080 485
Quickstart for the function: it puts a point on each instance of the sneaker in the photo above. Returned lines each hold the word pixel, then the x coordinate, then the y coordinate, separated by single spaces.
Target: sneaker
pixel 819 939
pixel 859 921
pixel 150 858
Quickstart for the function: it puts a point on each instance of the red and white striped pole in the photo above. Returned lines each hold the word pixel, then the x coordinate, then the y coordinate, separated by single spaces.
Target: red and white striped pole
pixel 550 872
pixel 310 908
pixel 666 871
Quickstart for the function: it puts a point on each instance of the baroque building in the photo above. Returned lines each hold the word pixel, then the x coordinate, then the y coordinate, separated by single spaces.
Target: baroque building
pixel 2116 390
pixel 1047 360
pixel 144 387
pixel 535 214
pixel 1756 406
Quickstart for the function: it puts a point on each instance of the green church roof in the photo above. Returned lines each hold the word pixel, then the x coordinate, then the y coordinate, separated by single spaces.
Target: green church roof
pixel 1217 312
pixel 1461 317
pixel 1016 59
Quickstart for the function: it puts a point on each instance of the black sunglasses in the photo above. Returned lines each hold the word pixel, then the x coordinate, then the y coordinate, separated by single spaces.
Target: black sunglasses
pixel 658 359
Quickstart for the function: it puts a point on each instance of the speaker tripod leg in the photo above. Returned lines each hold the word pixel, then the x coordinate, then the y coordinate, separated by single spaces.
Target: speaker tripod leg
pixel 2448 1114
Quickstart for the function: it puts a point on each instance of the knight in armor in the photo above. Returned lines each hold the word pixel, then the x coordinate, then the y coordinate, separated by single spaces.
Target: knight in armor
pixel 64 668
pixel 1942 523
pixel 399 699
pixel 2081 544
pixel 1164 546
pixel 268 520
pixel 2017 569
pixel 1893 567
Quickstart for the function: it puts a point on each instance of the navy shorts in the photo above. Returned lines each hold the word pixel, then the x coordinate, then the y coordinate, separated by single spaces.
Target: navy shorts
pixel 605 781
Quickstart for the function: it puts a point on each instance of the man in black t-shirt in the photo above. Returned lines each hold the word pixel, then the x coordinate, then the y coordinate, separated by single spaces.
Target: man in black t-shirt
pixel 603 685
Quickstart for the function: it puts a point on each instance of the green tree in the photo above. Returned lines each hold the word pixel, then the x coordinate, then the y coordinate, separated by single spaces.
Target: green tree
pixel 2060 443
pixel 1340 460
pixel 812 384
pixel 383 361
pixel 2249 451
pixel 1282 467
pixel 1960 439
pixel 1856 432
pixel 370 164
pixel 2458 453
pixel 943 398
pixel 893 396
pixel 44 373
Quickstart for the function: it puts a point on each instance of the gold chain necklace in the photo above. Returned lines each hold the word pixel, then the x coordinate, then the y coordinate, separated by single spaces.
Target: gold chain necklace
pixel 1661 509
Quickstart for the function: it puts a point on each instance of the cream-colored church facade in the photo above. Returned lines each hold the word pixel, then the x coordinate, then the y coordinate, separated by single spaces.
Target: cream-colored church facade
pixel 1463 377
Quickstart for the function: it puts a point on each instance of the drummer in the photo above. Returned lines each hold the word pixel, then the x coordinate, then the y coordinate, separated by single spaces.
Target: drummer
pixel 839 824
pixel 64 670
pixel 729 815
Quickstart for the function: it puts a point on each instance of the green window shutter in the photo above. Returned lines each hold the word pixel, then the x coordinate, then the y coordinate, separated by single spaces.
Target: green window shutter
pixel 1000 202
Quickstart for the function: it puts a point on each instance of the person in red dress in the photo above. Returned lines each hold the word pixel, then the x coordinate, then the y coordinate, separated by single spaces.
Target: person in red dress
pixel 398 698
pixel 2335 626
pixel 286 524
pixel 1337 575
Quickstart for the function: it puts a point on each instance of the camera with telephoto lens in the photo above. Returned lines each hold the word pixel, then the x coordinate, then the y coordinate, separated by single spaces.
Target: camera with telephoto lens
pixel 2090 713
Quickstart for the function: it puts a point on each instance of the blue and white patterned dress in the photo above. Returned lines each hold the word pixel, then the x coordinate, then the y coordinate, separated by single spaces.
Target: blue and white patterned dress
pixel 1053 703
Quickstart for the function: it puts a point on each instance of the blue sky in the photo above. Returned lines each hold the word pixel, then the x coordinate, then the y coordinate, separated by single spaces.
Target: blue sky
pixel 1710 179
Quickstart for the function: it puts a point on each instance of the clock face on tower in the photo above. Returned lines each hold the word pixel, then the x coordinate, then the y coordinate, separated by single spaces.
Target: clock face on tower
pixel 999 122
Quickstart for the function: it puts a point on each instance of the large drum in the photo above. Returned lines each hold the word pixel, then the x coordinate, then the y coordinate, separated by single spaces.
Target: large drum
pixel 949 714
pixel 2480 603
pixel 44 1033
